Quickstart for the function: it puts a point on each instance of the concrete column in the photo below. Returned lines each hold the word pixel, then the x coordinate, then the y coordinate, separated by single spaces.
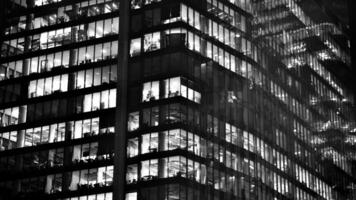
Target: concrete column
pixel 52 132
pixel 20 142
pixel 21 133
pixel 49 179
pixel 74 36
pixel 73 52
pixel 48 187
pixel 72 61
pixel 68 155
pixel 26 62
pixel 23 109
pixel 26 67
pixel 69 129
pixel 3 6
pixel 161 163
pixel 29 19
pixel 121 102
pixel 71 81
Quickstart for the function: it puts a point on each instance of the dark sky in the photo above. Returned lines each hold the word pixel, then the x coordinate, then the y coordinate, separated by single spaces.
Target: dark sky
pixel 327 10
pixel 339 8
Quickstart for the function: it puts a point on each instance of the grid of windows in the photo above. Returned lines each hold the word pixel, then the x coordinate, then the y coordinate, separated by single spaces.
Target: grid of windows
pixel 227 99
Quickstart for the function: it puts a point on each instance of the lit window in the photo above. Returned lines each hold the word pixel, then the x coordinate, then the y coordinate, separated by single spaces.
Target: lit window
pixel 132 173
pixel 132 147
pixel 152 41
pixel 149 143
pixel 172 87
pixel 150 91
pixel 133 121
pixel 149 169
pixel 131 196
pixel 135 48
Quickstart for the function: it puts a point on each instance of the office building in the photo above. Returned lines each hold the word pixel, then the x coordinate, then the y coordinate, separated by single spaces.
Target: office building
pixel 175 99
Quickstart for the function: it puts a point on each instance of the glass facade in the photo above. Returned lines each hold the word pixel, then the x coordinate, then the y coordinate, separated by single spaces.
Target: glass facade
pixel 227 99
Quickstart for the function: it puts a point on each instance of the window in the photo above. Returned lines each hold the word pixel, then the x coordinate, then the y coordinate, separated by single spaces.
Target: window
pixel 132 147
pixel 176 86
pixel 150 117
pixel 85 152
pixel 174 166
pixel 9 116
pixel 149 169
pixel 133 121
pixel 172 87
pixel 8 140
pixel 97 52
pixel 132 173
pixel 151 41
pixel 135 48
pixel 44 2
pixel 10 70
pixel 175 139
pixel 173 113
pixel 55 183
pixel 99 100
pixel 150 91
pixel 86 128
pixel 131 196
pixel 101 176
pixel 149 143
pixel 48 86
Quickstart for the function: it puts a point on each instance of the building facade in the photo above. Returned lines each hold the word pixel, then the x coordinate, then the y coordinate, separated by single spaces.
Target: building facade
pixel 176 99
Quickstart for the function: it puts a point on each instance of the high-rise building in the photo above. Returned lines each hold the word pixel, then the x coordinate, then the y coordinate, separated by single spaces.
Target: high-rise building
pixel 185 99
